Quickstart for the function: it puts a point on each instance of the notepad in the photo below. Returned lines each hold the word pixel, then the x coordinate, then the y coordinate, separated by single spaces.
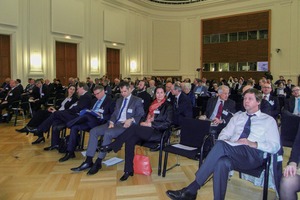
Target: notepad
pixel 112 161
pixel 184 147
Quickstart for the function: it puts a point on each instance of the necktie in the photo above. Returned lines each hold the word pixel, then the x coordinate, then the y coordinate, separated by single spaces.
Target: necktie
pixel 220 109
pixel 124 104
pixel 298 105
pixel 265 97
pixel 95 108
pixel 176 102
pixel 246 131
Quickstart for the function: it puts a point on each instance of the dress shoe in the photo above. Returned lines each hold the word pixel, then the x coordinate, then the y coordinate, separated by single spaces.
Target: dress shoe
pixel 95 168
pixel 182 194
pixel 23 130
pixel 50 148
pixel 82 167
pixel 106 148
pixel 39 140
pixel 126 175
pixel 67 157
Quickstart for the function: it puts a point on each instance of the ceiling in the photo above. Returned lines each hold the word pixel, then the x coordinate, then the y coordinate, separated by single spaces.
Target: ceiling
pixel 175 2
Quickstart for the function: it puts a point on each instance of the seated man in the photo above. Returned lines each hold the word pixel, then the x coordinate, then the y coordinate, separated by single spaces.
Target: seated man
pixel 100 113
pixel 63 117
pixel 272 102
pixel 219 109
pixel 14 94
pixel 241 145
pixel 182 106
pixel 292 105
pixel 129 109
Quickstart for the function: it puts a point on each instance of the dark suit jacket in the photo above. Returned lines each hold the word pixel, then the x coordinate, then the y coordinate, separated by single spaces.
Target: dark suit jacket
pixel 164 118
pixel 145 96
pixel 134 110
pixel 37 95
pixel 170 98
pixel 271 107
pixel 295 154
pixel 13 95
pixel 228 106
pixel 90 120
pixel 84 101
pixel 183 110
pixel 289 104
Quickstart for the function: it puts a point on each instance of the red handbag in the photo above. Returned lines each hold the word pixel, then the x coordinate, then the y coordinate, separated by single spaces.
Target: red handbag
pixel 141 163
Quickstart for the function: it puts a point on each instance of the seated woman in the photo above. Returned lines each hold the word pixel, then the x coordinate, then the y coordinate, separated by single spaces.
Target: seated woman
pixel 290 182
pixel 42 115
pixel 159 118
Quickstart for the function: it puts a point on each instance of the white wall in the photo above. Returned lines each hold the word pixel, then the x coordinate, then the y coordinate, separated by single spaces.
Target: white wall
pixel 141 34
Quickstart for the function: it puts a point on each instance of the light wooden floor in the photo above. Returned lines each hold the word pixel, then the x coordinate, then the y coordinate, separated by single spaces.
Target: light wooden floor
pixel 28 172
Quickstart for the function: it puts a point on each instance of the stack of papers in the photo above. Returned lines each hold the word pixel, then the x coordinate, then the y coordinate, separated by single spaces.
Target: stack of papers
pixel 112 161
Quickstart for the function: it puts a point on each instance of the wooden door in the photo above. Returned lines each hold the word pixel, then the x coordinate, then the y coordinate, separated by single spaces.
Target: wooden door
pixel 4 57
pixel 113 63
pixel 66 61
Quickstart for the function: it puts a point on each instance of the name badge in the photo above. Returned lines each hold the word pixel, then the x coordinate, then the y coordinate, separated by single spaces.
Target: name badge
pixel 10 94
pixel 129 110
pixel 169 100
pixel 156 111
pixel 225 112
pixel 101 110
pixel 272 103
pixel 142 100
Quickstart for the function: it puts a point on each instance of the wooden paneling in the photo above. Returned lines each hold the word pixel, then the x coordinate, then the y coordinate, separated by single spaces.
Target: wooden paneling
pixel 112 63
pixel 243 22
pixel 66 61
pixel 4 57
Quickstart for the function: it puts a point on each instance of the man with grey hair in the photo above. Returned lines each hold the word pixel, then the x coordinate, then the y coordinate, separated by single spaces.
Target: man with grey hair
pixel 182 104
pixel 220 109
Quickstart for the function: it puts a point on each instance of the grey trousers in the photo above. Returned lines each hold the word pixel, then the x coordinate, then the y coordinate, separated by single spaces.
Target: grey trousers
pixel 108 135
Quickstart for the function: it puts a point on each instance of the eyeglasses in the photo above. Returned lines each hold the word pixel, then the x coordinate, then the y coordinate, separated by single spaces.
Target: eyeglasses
pixel 97 93
pixel 296 90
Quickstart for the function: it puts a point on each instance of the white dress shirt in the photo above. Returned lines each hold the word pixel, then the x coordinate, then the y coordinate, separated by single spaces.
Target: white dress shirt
pixel 263 130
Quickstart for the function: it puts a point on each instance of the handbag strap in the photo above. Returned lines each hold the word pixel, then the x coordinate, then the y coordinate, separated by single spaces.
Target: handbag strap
pixel 139 150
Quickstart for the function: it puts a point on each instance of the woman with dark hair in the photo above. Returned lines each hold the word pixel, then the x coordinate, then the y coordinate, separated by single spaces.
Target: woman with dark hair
pixel 159 118
pixel 290 182
pixel 42 115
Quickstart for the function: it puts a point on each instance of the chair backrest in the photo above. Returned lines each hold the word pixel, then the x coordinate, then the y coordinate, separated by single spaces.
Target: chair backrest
pixel 289 128
pixel 193 132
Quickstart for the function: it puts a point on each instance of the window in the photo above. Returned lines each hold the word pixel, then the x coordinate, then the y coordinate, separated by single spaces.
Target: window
pixel 252 35
pixel 206 67
pixel 252 66
pixel 232 67
pixel 232 37
pixel 206 39
pixel 263 34
pixel 215 38
pixel 242 66
pixel 243 36
pixel 224 37
pixel 224 67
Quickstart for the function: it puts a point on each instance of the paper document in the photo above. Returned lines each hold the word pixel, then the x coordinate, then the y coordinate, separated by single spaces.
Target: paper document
pixel 112 161
pixel 184 147
pixel 232 143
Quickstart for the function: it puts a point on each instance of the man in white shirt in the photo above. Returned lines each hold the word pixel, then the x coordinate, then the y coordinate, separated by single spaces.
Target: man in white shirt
pixel 240 145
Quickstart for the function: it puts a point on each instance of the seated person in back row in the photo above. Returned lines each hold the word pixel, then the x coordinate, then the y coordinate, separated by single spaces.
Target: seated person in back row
pixel 219 109
pixel 182 106
pixel 241 145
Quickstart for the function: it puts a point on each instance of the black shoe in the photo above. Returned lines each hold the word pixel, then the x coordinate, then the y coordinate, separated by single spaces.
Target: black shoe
pixel 126 175
pixel 106 148
pixel 67 157
pixel 182 194
pixel 23 130
pixel 39 140
pixel 82 167
pixel 95 168
pixel 50 148
pixel 157 148
pixel 34 131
